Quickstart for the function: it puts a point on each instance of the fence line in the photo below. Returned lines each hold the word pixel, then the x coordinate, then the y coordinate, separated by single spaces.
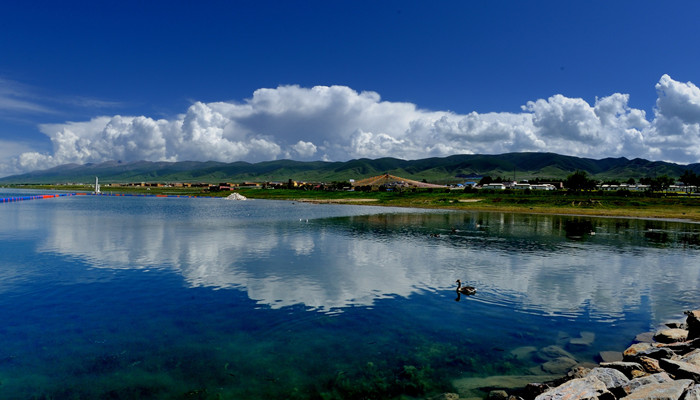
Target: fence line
pixel 35 197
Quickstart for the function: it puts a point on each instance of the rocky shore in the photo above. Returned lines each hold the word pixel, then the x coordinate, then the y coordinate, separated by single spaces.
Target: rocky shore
pixel 660 366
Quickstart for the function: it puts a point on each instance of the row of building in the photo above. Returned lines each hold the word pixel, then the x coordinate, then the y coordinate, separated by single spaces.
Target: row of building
pixel 607 188
pixel 642 188
pixel 521 186
pixel 392 182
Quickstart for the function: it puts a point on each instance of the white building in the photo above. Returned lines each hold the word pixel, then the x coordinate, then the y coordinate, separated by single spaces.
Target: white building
pixel 494 186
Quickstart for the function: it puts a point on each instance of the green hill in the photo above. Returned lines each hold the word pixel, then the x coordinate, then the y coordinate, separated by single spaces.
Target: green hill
pixel 436 169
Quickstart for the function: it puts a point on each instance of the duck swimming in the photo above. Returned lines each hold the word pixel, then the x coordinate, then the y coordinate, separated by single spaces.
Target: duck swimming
pixel 468 290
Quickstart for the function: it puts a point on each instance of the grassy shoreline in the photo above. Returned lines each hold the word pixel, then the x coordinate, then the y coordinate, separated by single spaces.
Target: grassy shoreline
pixel 601 204
pixel 685 208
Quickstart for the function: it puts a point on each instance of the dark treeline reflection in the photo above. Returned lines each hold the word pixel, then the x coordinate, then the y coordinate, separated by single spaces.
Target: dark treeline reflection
pixel 543 228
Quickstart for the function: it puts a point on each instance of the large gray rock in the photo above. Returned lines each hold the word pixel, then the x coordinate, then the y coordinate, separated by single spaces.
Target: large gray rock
pixel 613 379
pixel 589 388
pixel 681 369
pixel 635 349
pixel 693 324
pixel 653 352
pixel 693 393
pixel 671 335
pixel 693 357
pixel 672 390
pixel 636 383
pixel 650 365
pixel 626 368
pixel 683 347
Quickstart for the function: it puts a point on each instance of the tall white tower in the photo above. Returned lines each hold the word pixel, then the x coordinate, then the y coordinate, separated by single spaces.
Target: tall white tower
pixel 97 185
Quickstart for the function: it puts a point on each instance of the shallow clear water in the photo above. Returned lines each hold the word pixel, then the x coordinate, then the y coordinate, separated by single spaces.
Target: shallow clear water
pixel 141 297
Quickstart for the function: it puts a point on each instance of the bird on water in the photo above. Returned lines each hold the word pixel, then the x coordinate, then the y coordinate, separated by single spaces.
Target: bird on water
pixel 468 290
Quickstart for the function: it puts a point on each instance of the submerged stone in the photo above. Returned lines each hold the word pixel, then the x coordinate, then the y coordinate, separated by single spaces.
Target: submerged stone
pixel 523 352
pixel 585 340
pixel 559 365
pixel 552 352
pixel 646 337
pixel 505 382
pixel 610 356
pixel 445 396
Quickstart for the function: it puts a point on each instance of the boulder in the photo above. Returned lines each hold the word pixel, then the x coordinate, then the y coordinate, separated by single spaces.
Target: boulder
pixel 589 388
pixel 650 365
pixel 693 357
pixel 613 379
pixel 672 390
pixel 682 347
pixel 671 335
pixel 635 384
pixel 681 369
pixel 676 325
pixel 693 393
pixel 656 353
pixel 693 324
pixel 624 367
pixel 636 348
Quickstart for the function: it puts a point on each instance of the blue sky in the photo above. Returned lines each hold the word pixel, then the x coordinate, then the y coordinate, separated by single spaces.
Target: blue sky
pixel 334 80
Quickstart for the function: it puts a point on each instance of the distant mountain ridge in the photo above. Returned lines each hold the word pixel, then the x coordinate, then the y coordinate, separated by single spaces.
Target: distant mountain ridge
pixel 435 169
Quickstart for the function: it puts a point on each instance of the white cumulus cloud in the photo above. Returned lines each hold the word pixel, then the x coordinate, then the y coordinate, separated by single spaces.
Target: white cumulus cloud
pixel 338 123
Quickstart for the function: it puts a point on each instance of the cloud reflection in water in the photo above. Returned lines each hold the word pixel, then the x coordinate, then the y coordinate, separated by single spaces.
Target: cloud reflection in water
pixel 531 263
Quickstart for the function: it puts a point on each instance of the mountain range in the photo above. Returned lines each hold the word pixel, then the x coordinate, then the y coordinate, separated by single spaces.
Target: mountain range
pixel 437 169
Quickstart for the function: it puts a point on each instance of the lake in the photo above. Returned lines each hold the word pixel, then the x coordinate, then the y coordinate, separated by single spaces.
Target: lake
pixel 199 298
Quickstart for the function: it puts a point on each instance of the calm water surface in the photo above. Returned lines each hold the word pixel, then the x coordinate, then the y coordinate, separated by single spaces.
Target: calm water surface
pixel 140 297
